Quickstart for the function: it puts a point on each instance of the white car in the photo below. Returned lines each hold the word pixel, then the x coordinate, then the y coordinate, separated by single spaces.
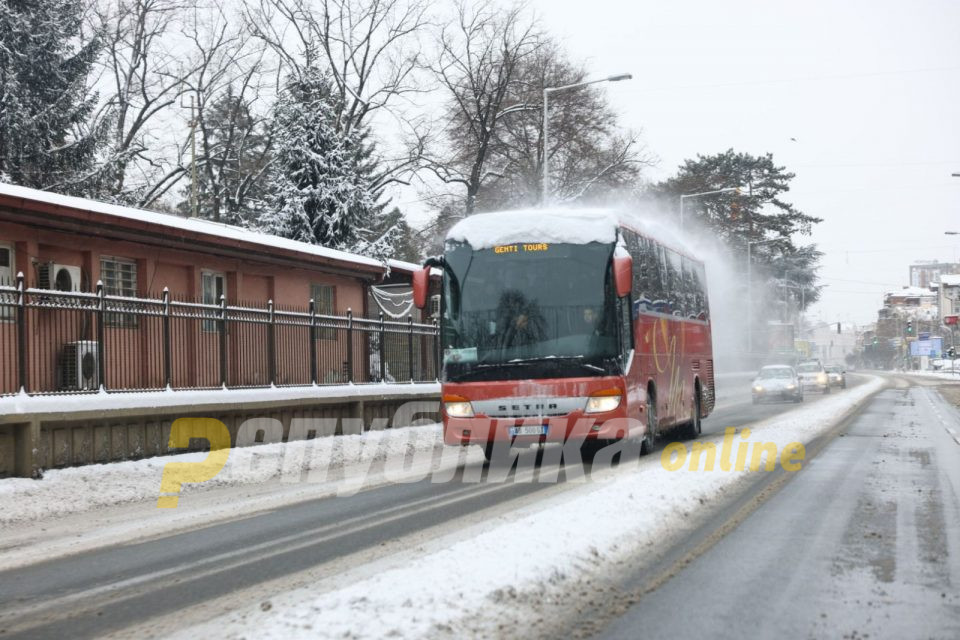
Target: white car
pixel 777 382
pixel 813 376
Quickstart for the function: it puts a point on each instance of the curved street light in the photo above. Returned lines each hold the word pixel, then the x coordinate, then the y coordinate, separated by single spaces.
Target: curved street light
pixel 703 193
pixel 545 196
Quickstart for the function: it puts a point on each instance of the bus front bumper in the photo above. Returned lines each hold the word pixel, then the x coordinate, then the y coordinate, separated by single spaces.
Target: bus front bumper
pixel 464 431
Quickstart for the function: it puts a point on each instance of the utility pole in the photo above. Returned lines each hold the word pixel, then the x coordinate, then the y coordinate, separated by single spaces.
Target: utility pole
pixel 194 203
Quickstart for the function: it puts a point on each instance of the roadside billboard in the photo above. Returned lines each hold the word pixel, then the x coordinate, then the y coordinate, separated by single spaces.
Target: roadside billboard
pixel 932 347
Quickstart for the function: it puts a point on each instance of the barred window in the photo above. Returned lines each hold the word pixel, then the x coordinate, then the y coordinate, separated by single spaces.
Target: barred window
pixel 119 277
pixel 324 296
pixel 213 286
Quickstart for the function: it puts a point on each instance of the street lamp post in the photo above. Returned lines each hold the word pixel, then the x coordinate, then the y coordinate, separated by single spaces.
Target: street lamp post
pixel 750 291
pixel 545 196
pixel 702 193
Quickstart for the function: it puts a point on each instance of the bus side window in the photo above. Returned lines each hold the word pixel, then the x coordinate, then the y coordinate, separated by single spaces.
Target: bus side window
pixel 626 327
pixel 652 290
pixel 701 279
pixel 673 283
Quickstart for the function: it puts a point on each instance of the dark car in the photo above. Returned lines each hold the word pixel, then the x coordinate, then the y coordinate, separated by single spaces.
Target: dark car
pixel 777 382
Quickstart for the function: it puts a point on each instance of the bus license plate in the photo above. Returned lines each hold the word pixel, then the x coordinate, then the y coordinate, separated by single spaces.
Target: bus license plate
pixel 528 430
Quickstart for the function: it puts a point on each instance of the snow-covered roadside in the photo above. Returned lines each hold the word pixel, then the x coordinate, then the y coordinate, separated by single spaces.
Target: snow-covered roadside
pixel 941 375
pixel 78 489
pixel 23 404
pixel 581 531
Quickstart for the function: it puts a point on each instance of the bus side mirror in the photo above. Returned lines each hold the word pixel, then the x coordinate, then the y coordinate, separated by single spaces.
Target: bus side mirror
pixel 421 287
pixel 623 274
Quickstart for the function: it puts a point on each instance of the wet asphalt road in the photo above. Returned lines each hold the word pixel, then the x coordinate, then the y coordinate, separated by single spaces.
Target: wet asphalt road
pixel 107 590
pixel 864 542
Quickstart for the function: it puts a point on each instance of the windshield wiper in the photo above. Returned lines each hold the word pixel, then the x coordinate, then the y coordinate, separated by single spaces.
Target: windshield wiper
pixel 528 362
pixel 577 359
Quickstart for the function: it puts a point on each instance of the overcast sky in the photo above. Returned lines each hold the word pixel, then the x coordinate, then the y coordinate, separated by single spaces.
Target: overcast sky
pixel 870 91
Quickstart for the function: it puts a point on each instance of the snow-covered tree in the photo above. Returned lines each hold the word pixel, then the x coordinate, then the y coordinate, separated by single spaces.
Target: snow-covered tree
pixel 321 180
pixel 44 99
pixel 233 158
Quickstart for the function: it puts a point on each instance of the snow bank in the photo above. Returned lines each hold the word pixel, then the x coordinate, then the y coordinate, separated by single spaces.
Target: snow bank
pixel 24 404
pixel 585 529
pixel 942 375
pixel 569 226
pixel 79 489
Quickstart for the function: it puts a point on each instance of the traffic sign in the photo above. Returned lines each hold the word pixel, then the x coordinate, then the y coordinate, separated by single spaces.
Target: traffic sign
pixel 950 320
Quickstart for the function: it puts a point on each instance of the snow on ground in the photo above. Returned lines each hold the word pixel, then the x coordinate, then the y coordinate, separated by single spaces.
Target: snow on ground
pixel 103 401
pixel 78 489
pixel 584 529
pixel 942 375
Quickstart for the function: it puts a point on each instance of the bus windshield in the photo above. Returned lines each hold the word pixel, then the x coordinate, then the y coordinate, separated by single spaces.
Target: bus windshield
pixel 528 310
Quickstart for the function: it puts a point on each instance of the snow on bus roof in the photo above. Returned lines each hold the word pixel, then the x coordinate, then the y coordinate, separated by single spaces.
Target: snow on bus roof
pixel 568 226
pixel 561 225
pixel 195 225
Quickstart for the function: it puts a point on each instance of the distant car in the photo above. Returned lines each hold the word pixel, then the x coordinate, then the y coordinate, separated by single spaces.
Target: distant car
pixel 813 376
pixel 777 382
pixel 837 376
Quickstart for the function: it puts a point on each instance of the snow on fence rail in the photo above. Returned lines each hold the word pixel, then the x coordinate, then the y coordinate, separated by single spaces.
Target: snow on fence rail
pixel 74 342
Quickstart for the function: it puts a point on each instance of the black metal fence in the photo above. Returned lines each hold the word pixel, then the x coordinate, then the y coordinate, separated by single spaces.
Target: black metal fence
pixel 71 342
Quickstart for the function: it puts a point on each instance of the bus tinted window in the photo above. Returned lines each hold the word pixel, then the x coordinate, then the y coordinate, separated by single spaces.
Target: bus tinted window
pixel 664 281
pixel 674 284
pixel 696 290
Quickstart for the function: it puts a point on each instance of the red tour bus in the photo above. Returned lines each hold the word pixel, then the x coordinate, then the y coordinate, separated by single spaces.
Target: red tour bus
pixel 569 324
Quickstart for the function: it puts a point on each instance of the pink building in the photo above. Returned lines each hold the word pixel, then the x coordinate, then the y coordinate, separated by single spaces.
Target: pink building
pixel 69 244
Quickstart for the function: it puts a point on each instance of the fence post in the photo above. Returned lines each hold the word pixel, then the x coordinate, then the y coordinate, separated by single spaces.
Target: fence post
pixel 349 345
pixel 313 342
pixel 436 349
pixel 101 335
pixel 22 333
pixel 222 329
pixel 383 351
pixel 167 373
pixel 410 345
pixel 272 344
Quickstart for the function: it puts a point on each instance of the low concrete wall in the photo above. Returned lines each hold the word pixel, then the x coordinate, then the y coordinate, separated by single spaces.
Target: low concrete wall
pixel 30 443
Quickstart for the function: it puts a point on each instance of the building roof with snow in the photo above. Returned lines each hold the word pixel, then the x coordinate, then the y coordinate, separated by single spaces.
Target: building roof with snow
pixel 175 230
pixel 952 280
pixel 911 292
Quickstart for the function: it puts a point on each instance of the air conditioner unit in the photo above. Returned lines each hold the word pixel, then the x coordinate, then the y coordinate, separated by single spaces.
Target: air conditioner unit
pixel 58 277
pixel 79 369
pixel 435 307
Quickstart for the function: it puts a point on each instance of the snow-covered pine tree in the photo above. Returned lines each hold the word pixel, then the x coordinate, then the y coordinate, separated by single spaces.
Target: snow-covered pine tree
pixel 44 101
pixel 321 183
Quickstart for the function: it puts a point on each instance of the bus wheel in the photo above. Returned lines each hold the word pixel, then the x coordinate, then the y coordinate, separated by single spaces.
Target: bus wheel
pixel 649 439
pixel 693 427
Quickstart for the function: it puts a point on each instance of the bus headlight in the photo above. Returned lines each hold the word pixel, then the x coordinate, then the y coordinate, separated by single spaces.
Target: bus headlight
pixel 758 388
pixel 457 407
pixel 822 378
pixel 602 401
pixel 791 386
